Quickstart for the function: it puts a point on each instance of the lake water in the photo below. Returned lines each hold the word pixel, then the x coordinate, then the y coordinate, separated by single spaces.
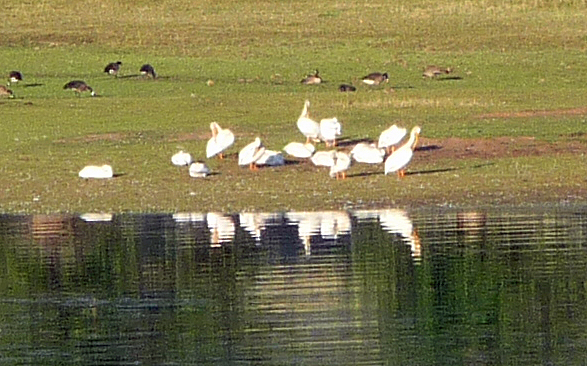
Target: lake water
pixel 379 287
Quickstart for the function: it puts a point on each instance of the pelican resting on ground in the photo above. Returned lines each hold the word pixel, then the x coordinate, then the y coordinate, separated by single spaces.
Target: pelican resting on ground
pixel 342 162
pixel 367 153
pixel 98 172
pixel 181 158
pixel 329 129
pixel 391 137
pixel 251 153
pixel 271 158
pixel 222 139
pixel 375 78
pixel 199 170
pixel 399 159
pixel 323 158
pixel 299 150
pixel 307 126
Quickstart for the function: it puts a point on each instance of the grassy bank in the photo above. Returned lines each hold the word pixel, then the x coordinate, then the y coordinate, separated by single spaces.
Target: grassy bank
pixel 509 60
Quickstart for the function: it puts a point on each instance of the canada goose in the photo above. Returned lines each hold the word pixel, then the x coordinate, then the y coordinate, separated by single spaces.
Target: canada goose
pixel 4 91
pixel 299 150
pixel 113 68
pixel 329 129
pixel 14 77
pixel 307 126
pixel 79 86
pixel 346 88
pixel 375 78
pixel 181 159
pixel 148 70
pixel 222 139
pixel 432 71
pixel 251 153
pixel 399 159
pixel 199 170
pixel 312 79
pixel 367 153
pixel 391 137
pixel 98 172
pixel 342 162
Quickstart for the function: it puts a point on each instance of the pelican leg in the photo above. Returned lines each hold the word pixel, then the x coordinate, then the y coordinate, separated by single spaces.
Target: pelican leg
pixel 253 167
pixel 307 139
pixel 401 173
pixel 221 156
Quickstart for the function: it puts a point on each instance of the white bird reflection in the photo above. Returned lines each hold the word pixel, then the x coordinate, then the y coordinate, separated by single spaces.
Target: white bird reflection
pixel 221 228
pixel 96 217
pixel 255 222
pixel 327 224
pixel 397 221
pixel 189 217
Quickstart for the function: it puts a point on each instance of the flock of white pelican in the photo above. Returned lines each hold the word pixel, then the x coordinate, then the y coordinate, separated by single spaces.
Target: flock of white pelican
pixel 327 130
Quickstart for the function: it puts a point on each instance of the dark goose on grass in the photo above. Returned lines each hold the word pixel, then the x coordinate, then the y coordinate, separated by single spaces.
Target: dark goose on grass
pixel 346 88
pixel 375 78
pixel 113 68
pixel 5 92
pixel 312 79
pixel 79 86
pixel 14 77
pixel 432 71
pixel 148 70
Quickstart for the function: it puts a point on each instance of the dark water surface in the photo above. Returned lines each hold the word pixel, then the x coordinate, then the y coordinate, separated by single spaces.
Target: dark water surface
pixel 385 287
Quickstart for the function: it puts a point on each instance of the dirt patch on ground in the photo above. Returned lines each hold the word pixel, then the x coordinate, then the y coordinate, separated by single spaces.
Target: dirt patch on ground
pixel 498 147
pixel 544 113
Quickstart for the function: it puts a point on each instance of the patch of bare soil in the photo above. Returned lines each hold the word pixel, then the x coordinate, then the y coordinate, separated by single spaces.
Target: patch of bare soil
pixel 458 148
pixel 543 113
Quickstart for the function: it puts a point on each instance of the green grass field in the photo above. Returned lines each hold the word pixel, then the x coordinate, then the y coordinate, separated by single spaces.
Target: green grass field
pixel 508 56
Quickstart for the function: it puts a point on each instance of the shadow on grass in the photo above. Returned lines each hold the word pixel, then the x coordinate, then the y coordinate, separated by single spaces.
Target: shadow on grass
pixel 32 85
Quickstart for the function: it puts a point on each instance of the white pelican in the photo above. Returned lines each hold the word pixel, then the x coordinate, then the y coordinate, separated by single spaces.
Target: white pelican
pixel 391 137
pixel 222 139
pixel 199 170
pixel 367 153
pixel 402 156
pixel 307 126
pixel 342 162
pixel 98 172
pixel 181 158
pixel 271 158
pixel 251 153
pixel 299 150
pixel 323 158
pixel 329 129
pixel 375 78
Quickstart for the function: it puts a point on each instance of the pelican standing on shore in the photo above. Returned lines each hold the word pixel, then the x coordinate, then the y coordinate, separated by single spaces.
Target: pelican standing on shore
pixel 222 139
pixel 399 159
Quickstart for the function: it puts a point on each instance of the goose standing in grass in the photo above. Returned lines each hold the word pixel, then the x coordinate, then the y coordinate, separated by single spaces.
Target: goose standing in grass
pixel 324 158
pixel 97 172
pixel 307 126
pixel 5 92
pixel 251 153
pixel 148 71
pixel 198 170
pixel 79 87
pixel 342 162
pixel 399 159
pixel 14 77
pixel 367 153
pixel 181 159
pixel 375 78
pixel 346 88
pixel 432 71
pixel 299 150
pixel 222 139
pixel 329 129
pixel 113 68
pixel 312 79
pixel 391 137
pixel 271 158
